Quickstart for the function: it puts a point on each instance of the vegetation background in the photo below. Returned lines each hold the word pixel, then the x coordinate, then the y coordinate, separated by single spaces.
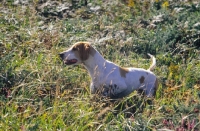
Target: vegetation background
pixel 37 92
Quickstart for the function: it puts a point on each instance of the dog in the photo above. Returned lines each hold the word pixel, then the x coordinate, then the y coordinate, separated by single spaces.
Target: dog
pixel 109 79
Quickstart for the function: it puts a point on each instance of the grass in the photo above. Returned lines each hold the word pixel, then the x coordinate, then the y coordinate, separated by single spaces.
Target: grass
pixel 37 92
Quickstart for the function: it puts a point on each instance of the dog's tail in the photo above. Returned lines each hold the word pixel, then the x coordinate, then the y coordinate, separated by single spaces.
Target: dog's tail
pixel 153 65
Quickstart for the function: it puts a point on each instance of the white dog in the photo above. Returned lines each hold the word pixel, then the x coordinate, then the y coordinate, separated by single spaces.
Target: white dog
pixel 109 79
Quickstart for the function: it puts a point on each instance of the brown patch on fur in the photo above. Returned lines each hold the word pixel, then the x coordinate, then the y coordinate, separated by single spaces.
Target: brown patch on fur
pixel 84 49
pixel 123 71
pixel 142 78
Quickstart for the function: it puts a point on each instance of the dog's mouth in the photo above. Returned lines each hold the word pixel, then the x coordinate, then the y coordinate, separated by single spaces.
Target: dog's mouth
pixel 70 62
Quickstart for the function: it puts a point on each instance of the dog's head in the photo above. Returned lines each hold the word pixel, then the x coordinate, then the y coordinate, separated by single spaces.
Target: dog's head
pixel 77 54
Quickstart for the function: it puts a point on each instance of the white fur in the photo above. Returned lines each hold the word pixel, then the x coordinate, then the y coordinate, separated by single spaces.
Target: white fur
pixel 106 77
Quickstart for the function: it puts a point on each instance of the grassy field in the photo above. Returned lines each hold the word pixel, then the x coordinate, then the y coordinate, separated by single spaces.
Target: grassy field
pixel 38 92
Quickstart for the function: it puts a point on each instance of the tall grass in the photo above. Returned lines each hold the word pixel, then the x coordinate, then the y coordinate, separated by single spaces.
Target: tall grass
pixel 37 92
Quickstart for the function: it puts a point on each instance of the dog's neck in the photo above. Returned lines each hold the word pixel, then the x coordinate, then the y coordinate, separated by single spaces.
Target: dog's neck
pixel 95 64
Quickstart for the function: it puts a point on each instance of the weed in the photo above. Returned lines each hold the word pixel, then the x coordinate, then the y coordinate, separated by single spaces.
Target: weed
pixel 37 92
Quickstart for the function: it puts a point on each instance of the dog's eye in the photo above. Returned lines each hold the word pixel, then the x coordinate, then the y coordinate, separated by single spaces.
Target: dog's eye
pixel 74 48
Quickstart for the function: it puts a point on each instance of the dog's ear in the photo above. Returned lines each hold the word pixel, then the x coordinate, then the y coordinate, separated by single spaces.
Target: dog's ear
pixel 86 51
pixel 83 50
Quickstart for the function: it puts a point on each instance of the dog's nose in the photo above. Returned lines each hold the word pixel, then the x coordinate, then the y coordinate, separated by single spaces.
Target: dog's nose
pixel 61 55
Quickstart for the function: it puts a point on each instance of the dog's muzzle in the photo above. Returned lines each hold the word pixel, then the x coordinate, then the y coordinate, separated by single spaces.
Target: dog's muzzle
pixel 67 61
pixel 61 56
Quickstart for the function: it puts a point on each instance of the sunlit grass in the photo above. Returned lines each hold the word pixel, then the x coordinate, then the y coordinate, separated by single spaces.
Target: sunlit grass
pixel 38 92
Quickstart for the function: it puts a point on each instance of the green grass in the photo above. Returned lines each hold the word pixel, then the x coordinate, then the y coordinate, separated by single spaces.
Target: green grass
pixel 37 92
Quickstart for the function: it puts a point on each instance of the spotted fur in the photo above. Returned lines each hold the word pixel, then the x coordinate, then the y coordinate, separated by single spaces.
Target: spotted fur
pixel 107 78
